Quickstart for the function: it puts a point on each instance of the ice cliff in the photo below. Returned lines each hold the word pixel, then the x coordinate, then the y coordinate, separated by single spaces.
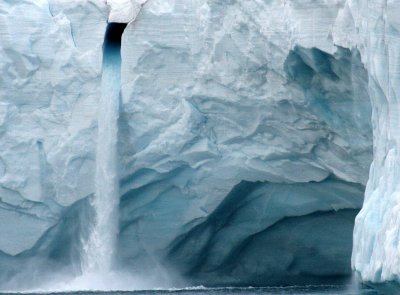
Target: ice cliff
pixel 374 28
pixel 244 139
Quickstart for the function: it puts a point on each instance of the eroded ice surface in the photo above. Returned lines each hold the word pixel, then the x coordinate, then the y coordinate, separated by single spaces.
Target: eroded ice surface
pixel 124 11
pixel 215 95
pixel 373 27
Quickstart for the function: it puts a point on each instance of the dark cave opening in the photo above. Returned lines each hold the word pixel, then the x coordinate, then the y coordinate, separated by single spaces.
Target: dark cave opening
pixel 113 36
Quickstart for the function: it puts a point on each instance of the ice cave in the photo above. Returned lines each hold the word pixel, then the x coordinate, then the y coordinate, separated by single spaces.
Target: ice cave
pixel 158 144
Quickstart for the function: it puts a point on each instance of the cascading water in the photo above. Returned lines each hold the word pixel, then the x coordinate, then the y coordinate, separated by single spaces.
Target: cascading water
pixel 99 249
pixel 97 257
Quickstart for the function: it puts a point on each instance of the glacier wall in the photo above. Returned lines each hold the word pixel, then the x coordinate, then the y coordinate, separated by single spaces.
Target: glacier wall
pixel 373 27
pixel 237 129
pixel 49 93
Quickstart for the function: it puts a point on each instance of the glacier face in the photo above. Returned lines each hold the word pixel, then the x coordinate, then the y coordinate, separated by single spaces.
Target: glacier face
pixel 49 91
pixel 238 128
pixel 373 26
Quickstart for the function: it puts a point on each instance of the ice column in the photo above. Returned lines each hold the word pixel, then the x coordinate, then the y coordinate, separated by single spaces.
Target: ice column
pixel 373 26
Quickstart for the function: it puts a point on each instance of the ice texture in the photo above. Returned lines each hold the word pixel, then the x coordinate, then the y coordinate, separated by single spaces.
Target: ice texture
pixel 49 92
pixel 373 27
pixel 124 11
pixel 275 233
pixel 241 123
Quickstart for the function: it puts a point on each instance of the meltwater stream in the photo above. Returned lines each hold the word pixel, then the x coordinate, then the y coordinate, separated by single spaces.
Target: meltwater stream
pixel 99 249
pixel 97 258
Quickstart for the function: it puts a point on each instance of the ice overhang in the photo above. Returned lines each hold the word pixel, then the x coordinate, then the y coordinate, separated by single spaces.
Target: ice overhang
pixel 124 11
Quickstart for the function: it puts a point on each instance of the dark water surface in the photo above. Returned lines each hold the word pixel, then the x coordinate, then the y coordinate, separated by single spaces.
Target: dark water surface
pixel 314 290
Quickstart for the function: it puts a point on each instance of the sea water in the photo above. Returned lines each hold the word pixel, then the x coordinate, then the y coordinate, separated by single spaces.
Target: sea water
pixel 300 290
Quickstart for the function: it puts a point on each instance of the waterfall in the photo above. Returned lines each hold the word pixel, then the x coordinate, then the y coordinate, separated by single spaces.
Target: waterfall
pixel 99 249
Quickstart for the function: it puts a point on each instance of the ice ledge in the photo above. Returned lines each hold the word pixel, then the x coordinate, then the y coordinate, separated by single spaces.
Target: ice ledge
pixel 124 11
